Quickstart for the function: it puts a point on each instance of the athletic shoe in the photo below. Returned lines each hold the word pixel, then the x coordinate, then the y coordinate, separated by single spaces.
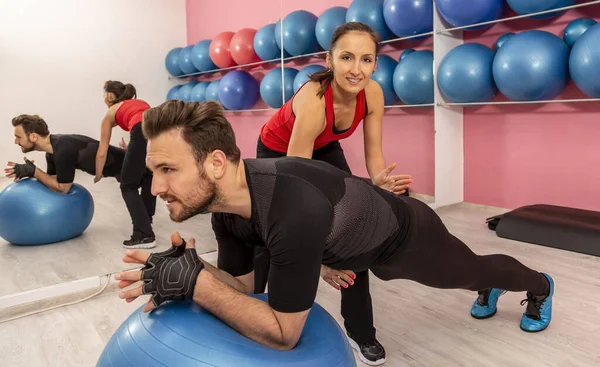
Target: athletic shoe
pixel 538 314
pixel 147 242
pixel 371 353
pixel 485 305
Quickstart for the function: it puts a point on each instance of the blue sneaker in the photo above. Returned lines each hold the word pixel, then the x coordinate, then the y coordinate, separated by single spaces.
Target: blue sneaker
pixel 538 313
pixel 485 305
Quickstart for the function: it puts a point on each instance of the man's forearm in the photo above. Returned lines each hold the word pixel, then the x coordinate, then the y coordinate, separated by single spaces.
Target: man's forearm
pixel 251 317
pixel 49 181
pixel 226 278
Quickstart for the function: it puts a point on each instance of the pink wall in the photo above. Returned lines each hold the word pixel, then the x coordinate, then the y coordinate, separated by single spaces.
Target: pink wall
pixel 526 154
pixel 408 134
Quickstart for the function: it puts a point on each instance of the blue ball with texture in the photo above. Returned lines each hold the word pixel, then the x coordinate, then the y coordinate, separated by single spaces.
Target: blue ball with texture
pixel 200 56
pixel 184 334
pixel 32 214
pixel 502 40
pixel 413 78
pixel 304 75
pixel 265 44
pixel 185 60
pixel 408 17
pixel 238 90
pixel 405 53
pixel 185 92
pixel 212 91
pixel 370 12
pixel 172 62
pixel 327 24
pixel 298 33
pixel 575 29
pixel 173 93
pixel 460 13
pixel 523 7
pixel 384 76
pixel 198 93
pixel 271 90
pixel 584 62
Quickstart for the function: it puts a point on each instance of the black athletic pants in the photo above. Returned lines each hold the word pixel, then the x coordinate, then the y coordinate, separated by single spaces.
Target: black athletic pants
pixel 356 306
pixel 434 257
pixel 134 176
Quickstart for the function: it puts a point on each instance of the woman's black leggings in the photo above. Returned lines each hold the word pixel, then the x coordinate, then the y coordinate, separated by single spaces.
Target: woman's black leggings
pixel 135 175
pixel 356 307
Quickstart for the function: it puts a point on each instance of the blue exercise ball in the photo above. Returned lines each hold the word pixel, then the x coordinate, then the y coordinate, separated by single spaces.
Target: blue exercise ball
pixel 384 75
pixel 584 62
pixel 502 40
pixel 185 92
pixel 198 93
pixel 327 23
pixel 413 78
pixel 185 60
pixel 460 13
pixel 523 7
pixel 370 12
pixel 238 90
pixel 173 93
pixel 271 90
pixel 265 45
pixel 575 29
pixel 465 74
pixel 200 56
pixel 298 33
pixel 408 17
pixel 304 75
pixel 533 65
pixel 405 53
pixel 184 334
pixel 32 214
pixel 212 91
pixel 172 62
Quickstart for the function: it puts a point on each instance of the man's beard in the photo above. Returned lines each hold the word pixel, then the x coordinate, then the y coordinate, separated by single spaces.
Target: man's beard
pixel 29 149
pixel 197 204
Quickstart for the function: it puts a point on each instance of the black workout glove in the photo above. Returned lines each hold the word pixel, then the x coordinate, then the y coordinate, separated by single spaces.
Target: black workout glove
pixel 24 170
pixel 172 274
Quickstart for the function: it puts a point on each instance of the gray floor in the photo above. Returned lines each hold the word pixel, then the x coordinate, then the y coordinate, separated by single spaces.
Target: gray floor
pixel 419 326
pixel 98 250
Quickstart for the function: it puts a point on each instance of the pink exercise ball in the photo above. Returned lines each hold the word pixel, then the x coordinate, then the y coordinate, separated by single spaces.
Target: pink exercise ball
pixel 219 50
pixel 242 47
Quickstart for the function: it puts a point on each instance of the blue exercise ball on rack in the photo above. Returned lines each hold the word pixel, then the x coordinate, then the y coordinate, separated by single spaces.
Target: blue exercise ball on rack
pixel 173 93
pixel 198 93
pixel 185 92
pixel 413 78
pixel 185 60
pixel 370 12
pixel 200 56
pixel 271 89
pixel 182 333
pixel 584 62
pixel 405 53
pixel 328 23
pixel 532 65
pixel 384 76
pixel 304 75
pixel 265 44
pixel 465 74
pixel 523 7
pixel 172 62
pixel 212 91
pixel 298 33
pixel 238 90
pixel 408 17
pixel 576 28
pixel 502 40
pixel 460 13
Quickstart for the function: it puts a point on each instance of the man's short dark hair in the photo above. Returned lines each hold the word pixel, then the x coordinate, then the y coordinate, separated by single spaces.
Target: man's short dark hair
pixel 31 124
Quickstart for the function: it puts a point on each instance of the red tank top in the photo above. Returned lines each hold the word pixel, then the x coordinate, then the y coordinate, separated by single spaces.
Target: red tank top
pixel 276 133
pixel 130 113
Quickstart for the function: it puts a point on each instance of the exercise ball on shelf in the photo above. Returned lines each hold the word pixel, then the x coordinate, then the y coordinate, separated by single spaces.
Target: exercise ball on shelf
pixel 198 93
pixel 265 45
pixel 304 75
pixel 242 47
pixel 370 12
pixel 298 33
pixel 185 91
pixel 584 62
pixel 219 50
pixel 384 76
pixel 408 17
pixel 185 60
pixel 532 66
pixel 201 56
pixel 173 93
pixel 328 23
pixel 172 62
pixel 460 13
pixel 271 89
pixel 576 28
pixel 502 40
pixel 465 74
pixel 413 78
pixel 238 90
pixel 523 7
pixel 405 53
pixel 212 91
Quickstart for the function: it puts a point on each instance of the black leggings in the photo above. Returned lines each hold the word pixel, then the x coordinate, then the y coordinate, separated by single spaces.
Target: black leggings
pixel 356 306
pixel 434 257
pixel 136 175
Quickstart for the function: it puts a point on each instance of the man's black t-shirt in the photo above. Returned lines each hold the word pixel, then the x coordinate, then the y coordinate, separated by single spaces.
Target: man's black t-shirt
pixel 74 151
pixel 307 213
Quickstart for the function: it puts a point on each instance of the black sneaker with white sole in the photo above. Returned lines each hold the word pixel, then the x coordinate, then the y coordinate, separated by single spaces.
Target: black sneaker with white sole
pixel 147 242
pixel 371 353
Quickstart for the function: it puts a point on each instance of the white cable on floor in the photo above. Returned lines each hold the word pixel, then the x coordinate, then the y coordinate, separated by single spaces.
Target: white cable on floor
pixel 62 305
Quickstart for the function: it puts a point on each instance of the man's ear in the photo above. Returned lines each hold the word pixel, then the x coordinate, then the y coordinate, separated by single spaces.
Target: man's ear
pixel 219 163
